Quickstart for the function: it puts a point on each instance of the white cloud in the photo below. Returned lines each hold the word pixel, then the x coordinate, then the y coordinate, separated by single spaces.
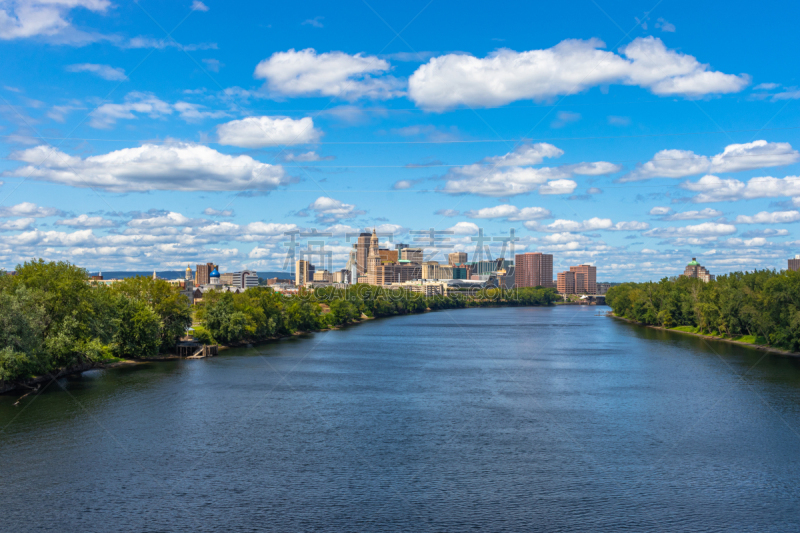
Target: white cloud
pixel 706 229
pixel 316 22
pixel 258 132
pixel 630 226
pixel 107 115
pixel 138 103
pixel 167 220
pixel 342 229
pixel 735 158
pixel 213 64
pixel 737 243
pixel 757 154
pixel 403 184
pixel 333 74
pixel 269 228
pixel 597 168
pixel 210 211
pixel 715 189
pixel 196 112
pixel 165 42
pixel 766 86
pixel 570 67
pixel 47 18
pixel 765 217
pixel 28 209
pixel 306 157
pixel 490 181
pixel 464 228
pixel 565 117
pixel 509 175
pixel 525 155
pixel 663 25
pixel 558 187
pixel 19 224
pixel 85 221
pixel 328 210
pixel 510 212
pixel 106 72
pixel 178 166
pixel 667 214
pixel 197 5
pixel 562 225
pixel 447 212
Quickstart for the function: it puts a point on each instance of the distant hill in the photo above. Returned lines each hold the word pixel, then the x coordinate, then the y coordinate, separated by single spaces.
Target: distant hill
pixel 175 274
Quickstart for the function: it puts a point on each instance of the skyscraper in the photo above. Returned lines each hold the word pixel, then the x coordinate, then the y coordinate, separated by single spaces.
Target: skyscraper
pixel 794 264
pixel 373 259
pixel 587 283
pixel 362 252
pixel 533 269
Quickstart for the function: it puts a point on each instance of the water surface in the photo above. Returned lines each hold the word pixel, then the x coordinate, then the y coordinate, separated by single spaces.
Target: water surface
pixel 516 419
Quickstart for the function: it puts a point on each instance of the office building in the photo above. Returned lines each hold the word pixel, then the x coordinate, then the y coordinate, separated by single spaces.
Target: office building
pixel 245 279
pixel 413 255
pixel 565 283
pixel 456 258
pixel 322 275
pixel 587 283
pixel 794 264
pixel 533 269
pixel 201 274
pixel 380 273
pixel 696 270
pixel 388 256
pixel 362 252
pixel 434 270
pixel 303 273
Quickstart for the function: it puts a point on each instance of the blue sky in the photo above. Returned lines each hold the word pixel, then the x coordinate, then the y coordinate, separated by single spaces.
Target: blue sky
pixel 152 135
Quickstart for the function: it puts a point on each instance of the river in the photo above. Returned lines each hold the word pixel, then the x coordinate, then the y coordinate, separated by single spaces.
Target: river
pixel 506 419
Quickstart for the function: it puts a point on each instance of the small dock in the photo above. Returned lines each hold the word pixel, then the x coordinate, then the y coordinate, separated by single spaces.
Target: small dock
pixel 189 348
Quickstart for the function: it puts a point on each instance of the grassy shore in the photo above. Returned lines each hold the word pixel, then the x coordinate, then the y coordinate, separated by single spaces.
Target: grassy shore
pixel 752 341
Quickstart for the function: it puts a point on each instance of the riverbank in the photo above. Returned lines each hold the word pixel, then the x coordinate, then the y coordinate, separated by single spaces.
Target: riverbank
pixel 685 331
pixel 34 384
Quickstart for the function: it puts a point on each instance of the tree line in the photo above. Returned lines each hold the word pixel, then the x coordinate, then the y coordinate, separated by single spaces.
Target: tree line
pixel 53 317
pixel 763 305
pixel 259 313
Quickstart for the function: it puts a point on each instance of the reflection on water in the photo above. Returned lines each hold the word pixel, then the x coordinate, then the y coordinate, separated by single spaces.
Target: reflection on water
pixel 543 419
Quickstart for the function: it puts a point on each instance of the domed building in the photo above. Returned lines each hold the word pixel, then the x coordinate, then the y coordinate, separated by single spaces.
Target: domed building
pixel 213 277
pixel 696 270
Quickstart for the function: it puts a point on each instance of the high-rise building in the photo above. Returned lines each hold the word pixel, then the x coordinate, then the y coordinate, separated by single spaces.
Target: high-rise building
pixel 434 270
pixel 373 259
pixel 303 273
pixel 243 279
pixel 362 252
pixel 414 255
pixel 587 283
pixel 794 264
pixel 456 258
pixel 388 256
pixel 201 274
pixel 322 275
pixel 533 269
pixel 696 270
pixel 566 282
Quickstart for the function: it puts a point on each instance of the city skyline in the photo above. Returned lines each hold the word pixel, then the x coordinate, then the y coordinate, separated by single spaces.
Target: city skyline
pixel 190 133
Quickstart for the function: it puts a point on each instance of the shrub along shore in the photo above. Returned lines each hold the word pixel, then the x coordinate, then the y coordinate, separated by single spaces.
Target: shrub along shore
pixel 55 322
pixel 759 308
